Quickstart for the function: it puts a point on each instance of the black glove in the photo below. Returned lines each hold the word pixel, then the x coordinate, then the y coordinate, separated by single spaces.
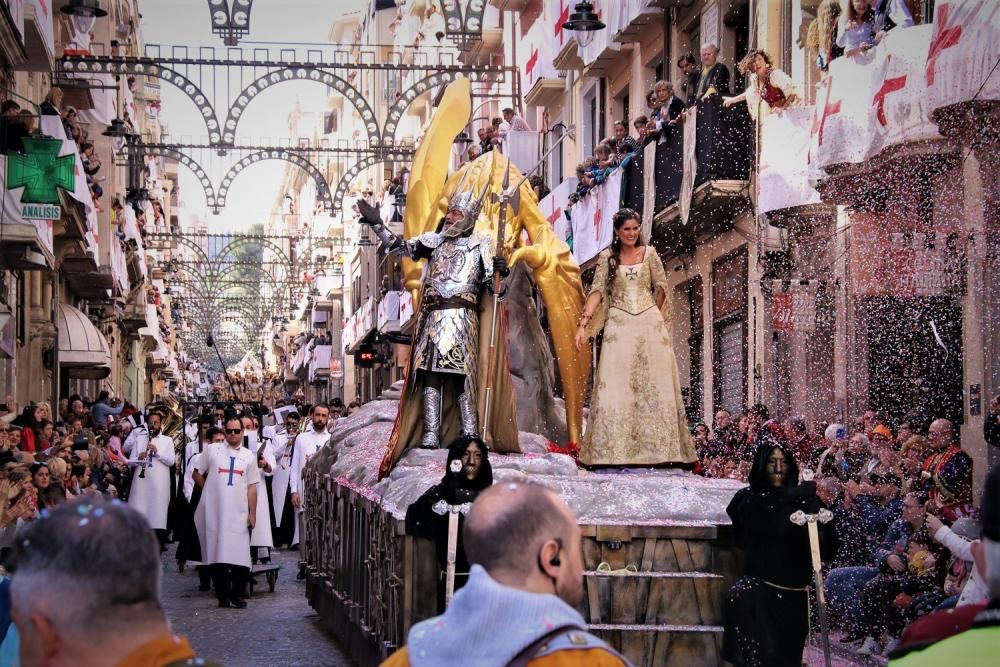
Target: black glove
pixel 500 266
pixel 369 214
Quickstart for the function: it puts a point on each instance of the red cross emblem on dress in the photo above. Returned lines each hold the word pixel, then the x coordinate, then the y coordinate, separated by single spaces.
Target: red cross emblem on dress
pixel 231 471
pixel 944 37
pixel 888 86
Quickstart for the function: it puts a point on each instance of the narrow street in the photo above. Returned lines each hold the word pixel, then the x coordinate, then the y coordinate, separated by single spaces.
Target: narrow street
pixel 275 629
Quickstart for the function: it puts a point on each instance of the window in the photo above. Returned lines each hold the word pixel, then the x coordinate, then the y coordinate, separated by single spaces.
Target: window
pixel 729 313
pixel 590 122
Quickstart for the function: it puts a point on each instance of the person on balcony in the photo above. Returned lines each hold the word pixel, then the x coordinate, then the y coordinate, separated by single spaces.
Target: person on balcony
pixel 821 38
pixel 637 412
pixel 766 86
pixel 856 32
pixel 890 14
pixel 714 76
pixel 689 70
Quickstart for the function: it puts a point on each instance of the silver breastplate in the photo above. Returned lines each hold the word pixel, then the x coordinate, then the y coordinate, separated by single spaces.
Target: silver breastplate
pixel 455 269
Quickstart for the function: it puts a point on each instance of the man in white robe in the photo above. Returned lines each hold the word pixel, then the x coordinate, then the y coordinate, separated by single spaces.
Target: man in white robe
pixel 261 541
pixel 285 528
pixel 229 477
pixel 307 445
pixel 185 533
pixel 152 456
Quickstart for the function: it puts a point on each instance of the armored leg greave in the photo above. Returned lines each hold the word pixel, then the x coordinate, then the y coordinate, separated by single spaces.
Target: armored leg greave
pixel 467 408
pixel 432 412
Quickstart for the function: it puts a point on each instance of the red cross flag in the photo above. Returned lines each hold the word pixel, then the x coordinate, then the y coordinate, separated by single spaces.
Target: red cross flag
pixel 963 49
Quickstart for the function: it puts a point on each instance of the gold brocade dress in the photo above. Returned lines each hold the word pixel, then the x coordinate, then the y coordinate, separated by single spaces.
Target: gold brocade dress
pixel 636 411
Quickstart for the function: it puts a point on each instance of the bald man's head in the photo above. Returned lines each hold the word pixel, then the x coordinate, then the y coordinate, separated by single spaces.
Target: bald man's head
pixel 941 433
pixel 510 522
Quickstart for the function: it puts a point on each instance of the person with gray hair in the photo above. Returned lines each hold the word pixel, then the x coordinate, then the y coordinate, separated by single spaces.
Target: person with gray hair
pixel 714 76
pixel 86 590
pixel 978 644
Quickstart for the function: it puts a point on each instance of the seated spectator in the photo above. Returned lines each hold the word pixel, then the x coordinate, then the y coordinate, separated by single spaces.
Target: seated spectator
pixel 947 472
pixel 958 640
pixel 843 584
pixel 766 86
pixel 803 445
pixel 963 585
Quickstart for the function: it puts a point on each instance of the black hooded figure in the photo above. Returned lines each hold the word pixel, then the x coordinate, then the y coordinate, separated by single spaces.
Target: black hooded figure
pixel 466 474
pixel 767 609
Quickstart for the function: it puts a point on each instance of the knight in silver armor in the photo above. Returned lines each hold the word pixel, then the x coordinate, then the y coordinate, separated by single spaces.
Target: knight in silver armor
pixel 460 264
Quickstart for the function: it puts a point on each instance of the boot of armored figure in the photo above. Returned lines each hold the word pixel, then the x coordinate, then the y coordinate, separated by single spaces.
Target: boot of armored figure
pixel 467 409
pixel 432 414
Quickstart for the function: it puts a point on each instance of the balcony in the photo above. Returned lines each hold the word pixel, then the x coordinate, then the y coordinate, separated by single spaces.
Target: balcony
pixel 635 21
pixel 388 312
pixel 721 189
pixel 39 39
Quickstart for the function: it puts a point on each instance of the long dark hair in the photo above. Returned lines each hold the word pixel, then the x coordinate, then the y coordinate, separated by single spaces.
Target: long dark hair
pixel 771 437
pixel 621 217
pixel 455 488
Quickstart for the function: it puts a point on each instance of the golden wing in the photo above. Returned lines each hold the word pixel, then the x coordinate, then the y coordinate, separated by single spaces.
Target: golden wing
pixel 430 169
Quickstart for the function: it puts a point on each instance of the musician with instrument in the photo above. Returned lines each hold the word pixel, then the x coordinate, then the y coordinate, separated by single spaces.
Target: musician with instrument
pixel 152 456
pixel 282 439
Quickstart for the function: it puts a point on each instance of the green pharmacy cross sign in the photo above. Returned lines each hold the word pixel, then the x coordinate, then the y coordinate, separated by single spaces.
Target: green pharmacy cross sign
pixel 40 171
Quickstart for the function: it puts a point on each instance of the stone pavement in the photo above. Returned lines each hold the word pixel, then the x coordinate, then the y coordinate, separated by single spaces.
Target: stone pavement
pixel 275 629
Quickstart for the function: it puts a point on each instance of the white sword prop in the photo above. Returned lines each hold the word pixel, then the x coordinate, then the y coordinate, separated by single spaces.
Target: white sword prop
pixel 800 518
pixel 442 507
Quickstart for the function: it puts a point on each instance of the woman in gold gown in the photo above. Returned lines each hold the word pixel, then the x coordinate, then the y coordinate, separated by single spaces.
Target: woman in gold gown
pixel 636 411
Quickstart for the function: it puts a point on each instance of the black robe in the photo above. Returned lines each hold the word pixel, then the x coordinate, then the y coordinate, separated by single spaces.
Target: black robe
pixel 423 521
pixel 767 609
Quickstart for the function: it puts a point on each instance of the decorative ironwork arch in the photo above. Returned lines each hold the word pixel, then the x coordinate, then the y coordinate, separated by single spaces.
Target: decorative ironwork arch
pixel 322 187
pixel 230 23
pixel 348 178
pixel 186 160
pixel 430 81
pixel 300 73
pixel 149 67
pixel 463 21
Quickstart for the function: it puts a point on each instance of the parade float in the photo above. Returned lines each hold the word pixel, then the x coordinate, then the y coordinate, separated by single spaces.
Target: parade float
pixel 657 551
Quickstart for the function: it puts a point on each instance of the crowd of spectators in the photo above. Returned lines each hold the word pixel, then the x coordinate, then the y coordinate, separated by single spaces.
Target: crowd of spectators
pixel 901 497
pixel 49 456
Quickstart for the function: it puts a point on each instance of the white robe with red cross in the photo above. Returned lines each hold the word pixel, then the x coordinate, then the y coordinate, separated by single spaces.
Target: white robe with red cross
pixel 221 517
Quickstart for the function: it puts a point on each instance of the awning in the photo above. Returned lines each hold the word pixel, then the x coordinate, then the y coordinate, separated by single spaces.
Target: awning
pixel 83 351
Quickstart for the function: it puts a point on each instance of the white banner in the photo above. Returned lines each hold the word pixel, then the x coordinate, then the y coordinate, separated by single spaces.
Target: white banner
pixel 690 163
pixel 539 50
pixel 555 207
pixel 522 147
pixel 964 48
pixel 872 101
pixel 592 215
pixel 784 155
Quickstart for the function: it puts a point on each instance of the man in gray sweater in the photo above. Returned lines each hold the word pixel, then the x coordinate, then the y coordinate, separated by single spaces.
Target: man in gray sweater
pixel 524 545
